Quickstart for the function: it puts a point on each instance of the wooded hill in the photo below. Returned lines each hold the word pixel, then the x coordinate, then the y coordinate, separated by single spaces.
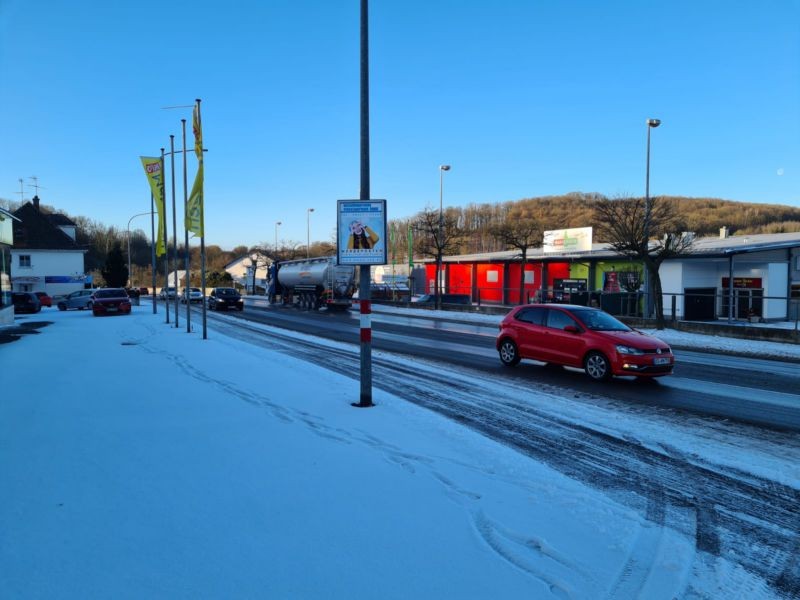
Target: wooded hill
pixel 703 216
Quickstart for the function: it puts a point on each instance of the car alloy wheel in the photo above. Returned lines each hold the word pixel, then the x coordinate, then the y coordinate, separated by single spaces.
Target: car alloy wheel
pixel 597 366
pixel 509 355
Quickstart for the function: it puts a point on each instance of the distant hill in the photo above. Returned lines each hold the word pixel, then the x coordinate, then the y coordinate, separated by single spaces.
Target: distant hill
pixel 704 216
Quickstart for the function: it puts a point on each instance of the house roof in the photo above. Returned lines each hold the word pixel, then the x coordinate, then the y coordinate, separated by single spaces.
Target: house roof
pixel 36 231
pixel 59 219
pixel 5 213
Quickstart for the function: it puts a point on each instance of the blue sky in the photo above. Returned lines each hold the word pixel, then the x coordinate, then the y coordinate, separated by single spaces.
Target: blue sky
pixel 522 98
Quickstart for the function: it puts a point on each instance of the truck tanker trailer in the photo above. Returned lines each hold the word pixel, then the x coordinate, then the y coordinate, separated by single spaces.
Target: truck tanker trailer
pixel 312 283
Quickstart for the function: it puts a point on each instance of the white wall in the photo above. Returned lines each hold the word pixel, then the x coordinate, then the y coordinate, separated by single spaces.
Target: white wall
pixel 671 274
pixel 49 263
pixel 776 283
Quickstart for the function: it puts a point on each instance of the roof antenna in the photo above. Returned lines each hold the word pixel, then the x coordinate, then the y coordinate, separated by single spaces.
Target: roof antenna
pixel 21 191
pixel 35 185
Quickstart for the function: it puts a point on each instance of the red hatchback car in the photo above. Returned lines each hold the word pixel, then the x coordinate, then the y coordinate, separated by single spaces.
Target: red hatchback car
pixel 110 301
pixel 44 299
pixel 583 337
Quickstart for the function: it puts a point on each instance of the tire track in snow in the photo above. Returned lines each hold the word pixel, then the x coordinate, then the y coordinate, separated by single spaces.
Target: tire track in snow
pixel 732 511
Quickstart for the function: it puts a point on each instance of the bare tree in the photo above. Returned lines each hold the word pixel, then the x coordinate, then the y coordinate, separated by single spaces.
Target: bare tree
pixel 435 241
pixel 649 236
pixel 522 232
pixel 260 258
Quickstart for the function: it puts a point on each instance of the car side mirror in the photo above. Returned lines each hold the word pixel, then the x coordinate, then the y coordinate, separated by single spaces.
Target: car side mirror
pixel 571 329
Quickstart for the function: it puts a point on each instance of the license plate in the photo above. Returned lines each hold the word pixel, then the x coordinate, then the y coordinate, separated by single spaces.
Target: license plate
pixel 114 309
pixel 661 361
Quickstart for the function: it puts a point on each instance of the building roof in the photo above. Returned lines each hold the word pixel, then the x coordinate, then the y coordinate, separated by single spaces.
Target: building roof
pixel 36 231
pixel 61 220
pixel 4 213
pixel 701 247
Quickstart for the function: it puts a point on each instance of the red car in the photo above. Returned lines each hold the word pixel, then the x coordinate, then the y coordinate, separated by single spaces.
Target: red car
pixel 583 337
pixel 110 301
pixel 44 299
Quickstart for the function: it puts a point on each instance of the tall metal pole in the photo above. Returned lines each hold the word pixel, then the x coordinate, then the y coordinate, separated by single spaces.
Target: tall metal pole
pixel 174 225
pixel 202 242
pixel 364 270
pixel 187 261
pixel 276 236
pixel 437 287
pixel 166 245
pixel 153 246
pixel 651 123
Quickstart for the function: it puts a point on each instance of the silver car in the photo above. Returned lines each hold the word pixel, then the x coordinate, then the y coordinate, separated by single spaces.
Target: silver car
pixel 80 300
pixel 195 295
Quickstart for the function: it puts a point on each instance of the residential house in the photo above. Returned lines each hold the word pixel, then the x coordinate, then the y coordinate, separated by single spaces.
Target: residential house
pixel 45 255
pixel 6 240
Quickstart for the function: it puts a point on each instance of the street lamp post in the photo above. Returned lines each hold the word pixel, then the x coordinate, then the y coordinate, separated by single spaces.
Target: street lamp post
pixel 442 169
pixel 277 223
pixel 130 279
pixel 651 124
pixel 308 232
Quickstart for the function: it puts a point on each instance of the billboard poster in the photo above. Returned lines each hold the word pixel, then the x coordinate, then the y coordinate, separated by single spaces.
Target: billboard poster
pixel 568 240
pixel 361 232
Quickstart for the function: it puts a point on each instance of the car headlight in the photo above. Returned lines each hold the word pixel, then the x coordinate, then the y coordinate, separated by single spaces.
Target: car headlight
pixel 628 350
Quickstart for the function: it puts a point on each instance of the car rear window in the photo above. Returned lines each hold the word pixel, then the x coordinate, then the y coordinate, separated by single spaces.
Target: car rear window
pixel 110 294
pixel 534 315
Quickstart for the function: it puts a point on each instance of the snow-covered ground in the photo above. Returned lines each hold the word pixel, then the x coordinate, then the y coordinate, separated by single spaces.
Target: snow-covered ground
pixel 138 460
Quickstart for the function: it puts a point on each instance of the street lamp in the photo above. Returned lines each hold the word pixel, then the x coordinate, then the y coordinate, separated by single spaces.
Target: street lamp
pixel 651 124
pixel 276 236
pixel 308 232
pixel 130 279
pixel 442 169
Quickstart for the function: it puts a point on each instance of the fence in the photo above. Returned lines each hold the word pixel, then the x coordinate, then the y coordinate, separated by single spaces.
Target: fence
pixel 709 305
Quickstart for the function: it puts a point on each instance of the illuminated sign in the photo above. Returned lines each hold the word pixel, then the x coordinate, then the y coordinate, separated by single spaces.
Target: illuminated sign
pixel 568 240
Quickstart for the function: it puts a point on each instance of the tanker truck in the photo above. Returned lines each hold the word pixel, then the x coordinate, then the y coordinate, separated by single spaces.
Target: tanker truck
pixel 312 283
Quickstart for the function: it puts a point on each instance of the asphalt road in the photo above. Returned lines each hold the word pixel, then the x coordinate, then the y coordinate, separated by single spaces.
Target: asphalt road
pixel 757 391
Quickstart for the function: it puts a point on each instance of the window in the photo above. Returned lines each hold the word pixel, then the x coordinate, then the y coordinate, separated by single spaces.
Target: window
pixel 24 260
pixel 558 319
pixel 531 315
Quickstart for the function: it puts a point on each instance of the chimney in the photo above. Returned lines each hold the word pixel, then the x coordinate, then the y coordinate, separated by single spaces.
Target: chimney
pixel 723 233
pixel 36 202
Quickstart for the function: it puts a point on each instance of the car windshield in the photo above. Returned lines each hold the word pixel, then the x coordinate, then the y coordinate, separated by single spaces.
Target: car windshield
pixel 110 294
pixel 597 320
pixel 194 290
pixel 226 292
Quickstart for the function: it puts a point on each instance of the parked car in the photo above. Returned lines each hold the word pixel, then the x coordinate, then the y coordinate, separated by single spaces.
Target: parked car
pixel 195 295
pixel 224 298
pixel 109 301
pixel 143 291
pixel 397 292
pixel 81 299
pixel 44 299
pixel 430 299
pixel 583 337
pixel 167 293
pixel 25 302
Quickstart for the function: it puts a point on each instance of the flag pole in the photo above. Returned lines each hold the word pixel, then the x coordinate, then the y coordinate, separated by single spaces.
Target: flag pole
pixel 188 261
pixel 153 248
pixel 174 224
pixel 166 252
pixel 202 237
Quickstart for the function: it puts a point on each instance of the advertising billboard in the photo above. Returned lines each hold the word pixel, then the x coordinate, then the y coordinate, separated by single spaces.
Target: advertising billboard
pixel 568 240
pixel 361 232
